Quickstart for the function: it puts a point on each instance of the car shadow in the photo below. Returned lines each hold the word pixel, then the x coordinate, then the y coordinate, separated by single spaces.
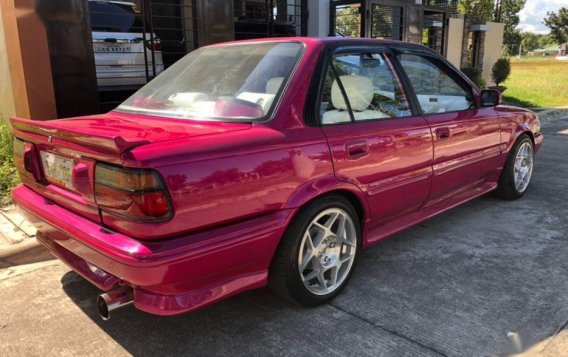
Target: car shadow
pixel 235 324
pixel 258 320
pixel 449 274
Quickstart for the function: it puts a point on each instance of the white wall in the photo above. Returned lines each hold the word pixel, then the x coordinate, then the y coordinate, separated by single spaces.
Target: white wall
pixel 455 40
pixel 318 23
pixel 492 49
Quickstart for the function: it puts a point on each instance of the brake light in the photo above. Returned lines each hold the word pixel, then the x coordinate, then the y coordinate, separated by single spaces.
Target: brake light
pixel 155 46
pixel 137 194
pixel 25 156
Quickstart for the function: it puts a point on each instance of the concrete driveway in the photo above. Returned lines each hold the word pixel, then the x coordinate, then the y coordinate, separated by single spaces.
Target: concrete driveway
pixel 475 281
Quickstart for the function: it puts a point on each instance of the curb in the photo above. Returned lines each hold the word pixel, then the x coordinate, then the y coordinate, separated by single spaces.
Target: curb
pixel 17 240
pixel 553 113
pixel 18 270
pixel 26 252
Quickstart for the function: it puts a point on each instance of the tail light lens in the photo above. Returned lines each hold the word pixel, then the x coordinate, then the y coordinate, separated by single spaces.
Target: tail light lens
pixel 25 156
pixel 136 194
pixel 155 46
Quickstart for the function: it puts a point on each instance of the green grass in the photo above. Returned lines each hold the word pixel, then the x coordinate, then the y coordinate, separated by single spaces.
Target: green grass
pixel 537 82
pixel 8 175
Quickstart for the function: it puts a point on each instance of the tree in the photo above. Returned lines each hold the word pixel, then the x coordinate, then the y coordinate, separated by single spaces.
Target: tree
pixel 500 71
pixel 477 10
pixel 558 25
pixel 545 41
pixel 507 12
pixel 529 41
pixel 515 39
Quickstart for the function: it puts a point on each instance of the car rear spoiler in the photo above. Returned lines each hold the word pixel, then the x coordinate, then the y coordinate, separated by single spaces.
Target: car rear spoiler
pixel 55 129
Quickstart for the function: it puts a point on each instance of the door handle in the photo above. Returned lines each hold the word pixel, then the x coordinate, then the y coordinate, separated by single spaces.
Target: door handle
pixel 443 133
pixel 357 149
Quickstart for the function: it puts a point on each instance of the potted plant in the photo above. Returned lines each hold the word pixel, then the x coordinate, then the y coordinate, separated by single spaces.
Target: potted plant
pixel 500 72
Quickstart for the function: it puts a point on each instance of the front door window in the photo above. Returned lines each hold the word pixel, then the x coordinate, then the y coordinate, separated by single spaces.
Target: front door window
pixel 436 88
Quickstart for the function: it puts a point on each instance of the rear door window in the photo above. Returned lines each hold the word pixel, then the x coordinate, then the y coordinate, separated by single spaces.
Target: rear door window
pixel 115 17
pixel 362 86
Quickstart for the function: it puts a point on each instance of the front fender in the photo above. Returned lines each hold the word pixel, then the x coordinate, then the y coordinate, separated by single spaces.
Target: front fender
pixel 516 122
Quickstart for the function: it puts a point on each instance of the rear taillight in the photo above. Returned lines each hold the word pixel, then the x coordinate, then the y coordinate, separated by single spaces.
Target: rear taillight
pixel 155 45
pixel 137 194
pixel 25 156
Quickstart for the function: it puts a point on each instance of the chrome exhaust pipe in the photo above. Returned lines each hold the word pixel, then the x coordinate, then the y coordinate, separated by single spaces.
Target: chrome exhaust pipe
pixel 112 300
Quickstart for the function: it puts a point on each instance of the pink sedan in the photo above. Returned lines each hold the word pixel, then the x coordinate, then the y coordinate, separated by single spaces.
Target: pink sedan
pixel 268 162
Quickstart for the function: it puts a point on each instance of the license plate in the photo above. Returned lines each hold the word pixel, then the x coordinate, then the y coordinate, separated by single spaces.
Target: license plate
pixel 113 49
pixel 57 169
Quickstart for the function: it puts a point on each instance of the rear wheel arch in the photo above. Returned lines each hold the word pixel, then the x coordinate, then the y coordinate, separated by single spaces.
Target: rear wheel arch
pixel 282 271
pixel 305 196
pixel 353 198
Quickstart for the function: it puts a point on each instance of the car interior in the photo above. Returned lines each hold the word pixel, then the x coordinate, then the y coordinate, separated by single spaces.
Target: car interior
pixel 370 86
pixel 201 103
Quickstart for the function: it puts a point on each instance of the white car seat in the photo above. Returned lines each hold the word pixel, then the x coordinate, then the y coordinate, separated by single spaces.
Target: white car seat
pixel 360 92
pixel 273 85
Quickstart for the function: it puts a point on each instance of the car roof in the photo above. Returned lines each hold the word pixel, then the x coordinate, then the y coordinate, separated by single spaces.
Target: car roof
pixel 128 3
pixel 333 41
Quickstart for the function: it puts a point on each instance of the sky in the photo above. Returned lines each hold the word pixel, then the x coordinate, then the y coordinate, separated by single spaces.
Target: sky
pixel 535 11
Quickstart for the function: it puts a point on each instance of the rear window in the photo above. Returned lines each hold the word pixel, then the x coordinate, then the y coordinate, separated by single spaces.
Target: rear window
pixel 229 82
pixel 115 16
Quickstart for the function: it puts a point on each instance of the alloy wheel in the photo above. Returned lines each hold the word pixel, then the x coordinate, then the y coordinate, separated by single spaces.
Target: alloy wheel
pixel 327 251
pixel 523 166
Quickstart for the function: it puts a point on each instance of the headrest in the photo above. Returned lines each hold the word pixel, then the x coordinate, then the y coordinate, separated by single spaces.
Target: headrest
pixel 273 85
pixel 359 91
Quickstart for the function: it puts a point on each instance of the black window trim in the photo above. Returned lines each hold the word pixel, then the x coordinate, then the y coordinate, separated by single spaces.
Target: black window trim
pixel 343 93
pixel 312 112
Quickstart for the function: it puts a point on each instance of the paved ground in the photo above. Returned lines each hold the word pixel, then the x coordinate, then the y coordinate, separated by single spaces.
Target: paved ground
pixel 467 283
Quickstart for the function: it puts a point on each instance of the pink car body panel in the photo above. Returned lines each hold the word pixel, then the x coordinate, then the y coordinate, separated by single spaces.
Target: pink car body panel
pixel 236 186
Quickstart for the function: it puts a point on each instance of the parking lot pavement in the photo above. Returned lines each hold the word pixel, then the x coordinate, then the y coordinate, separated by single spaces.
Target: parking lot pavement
pixel 475 281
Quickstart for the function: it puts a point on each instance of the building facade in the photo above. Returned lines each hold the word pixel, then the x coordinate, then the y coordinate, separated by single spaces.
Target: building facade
pixel 54 54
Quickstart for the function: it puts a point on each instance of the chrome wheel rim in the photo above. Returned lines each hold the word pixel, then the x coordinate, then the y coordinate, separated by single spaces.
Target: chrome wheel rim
pixel 523 166
pixel 327 251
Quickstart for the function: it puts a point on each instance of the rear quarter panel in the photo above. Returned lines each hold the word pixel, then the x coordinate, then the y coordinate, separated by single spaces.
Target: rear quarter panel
pixel 222 178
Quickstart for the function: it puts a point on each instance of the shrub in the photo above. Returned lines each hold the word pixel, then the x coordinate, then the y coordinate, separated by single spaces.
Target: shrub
pixel 501 70
pixel 8 175
pixel 475 75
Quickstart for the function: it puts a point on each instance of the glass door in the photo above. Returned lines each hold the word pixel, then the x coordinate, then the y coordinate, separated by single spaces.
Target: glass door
pixel 433 30
pixel 268 18
pixel 387 21
pixel 346 19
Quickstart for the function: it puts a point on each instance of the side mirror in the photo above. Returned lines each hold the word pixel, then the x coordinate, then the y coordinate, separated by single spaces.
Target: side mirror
pixel 491 98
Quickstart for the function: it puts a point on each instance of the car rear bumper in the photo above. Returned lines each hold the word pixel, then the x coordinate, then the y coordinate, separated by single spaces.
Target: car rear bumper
pixel 170 276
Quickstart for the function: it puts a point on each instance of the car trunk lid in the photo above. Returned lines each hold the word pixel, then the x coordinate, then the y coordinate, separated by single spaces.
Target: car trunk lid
pixel 57 158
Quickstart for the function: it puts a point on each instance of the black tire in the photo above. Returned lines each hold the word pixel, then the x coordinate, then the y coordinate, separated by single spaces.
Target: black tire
pixel 284 274
pixel 506 188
